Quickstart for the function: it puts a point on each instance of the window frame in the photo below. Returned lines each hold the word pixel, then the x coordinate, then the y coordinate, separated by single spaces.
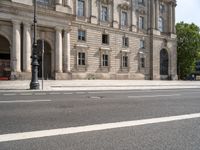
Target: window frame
pixel 161 24
pixel 80 36
pixel 107 41
pixel 142 61
pixel 125 41
pixel 81 13
pixel 125 60
pixel 124 21
pixel 162 8
pixel 105 60
pixel 105 18
pixel 141 22
pixel 81 59
pixel 142 44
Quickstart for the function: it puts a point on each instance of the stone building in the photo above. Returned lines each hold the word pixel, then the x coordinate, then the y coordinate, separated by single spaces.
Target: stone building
pixel 90 39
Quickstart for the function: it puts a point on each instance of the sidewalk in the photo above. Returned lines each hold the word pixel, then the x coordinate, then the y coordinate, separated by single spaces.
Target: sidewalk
pixel 79 85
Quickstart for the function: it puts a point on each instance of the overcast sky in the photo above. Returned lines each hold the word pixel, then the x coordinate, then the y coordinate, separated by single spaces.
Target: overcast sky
pixel 188 11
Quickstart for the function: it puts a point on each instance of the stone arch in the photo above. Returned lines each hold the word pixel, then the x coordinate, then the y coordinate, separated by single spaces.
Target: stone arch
pixel 4 57
pixel 164 62
pixel 47 59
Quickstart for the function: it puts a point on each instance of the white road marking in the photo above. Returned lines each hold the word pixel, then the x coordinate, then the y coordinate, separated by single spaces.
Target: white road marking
pixel 54 93
pixel 9 94
pixel 25 101
pixel 26 94
pixel 80 92
pixel 40 94
pixel 95 97
pixel 67 93
pixel 141 96
pixel 89 128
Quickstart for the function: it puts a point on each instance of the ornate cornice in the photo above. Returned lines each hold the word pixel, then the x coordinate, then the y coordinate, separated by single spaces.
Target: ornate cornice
pixel 125 5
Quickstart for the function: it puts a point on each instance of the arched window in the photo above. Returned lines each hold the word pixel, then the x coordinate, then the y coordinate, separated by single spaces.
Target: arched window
pixel 163 62
pixel 161 24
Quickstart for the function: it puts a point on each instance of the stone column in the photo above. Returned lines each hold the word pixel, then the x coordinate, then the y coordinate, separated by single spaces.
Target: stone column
pixel 16 49
pixel 94 12
pixel 153 14
pixel 156 14
pixel 59 2
pixel 58 51
pixel 170 18
pixel 66 51
pixel 173 18
pixel 27 48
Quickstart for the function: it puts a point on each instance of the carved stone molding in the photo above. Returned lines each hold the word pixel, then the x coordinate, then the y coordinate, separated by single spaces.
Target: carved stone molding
pixel 125 5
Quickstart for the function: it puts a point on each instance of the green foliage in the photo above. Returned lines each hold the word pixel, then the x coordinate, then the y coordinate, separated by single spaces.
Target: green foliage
pixel 188 47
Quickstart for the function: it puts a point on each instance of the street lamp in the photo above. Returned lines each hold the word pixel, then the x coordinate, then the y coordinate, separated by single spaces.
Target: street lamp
pixel 34 78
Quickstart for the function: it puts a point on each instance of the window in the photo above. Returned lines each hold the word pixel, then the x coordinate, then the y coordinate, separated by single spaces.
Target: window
pixel 81 58
pixel 81 35
pixel 104 13
pixel 105 39
pixel 162 8
pixel 81 4
pixel 141 2
pixel 125 41
pixel 105 60
pixel 125 61
pixel 161 24
pixel 141 22
pixel 124 18
pixel 142 44
pixel 142 62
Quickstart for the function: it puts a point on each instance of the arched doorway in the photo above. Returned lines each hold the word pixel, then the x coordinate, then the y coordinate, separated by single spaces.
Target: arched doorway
pixel 164 63
pixel 47 60
pixel 4 58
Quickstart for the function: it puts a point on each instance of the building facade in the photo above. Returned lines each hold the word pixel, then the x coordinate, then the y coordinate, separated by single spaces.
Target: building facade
pixel 90 39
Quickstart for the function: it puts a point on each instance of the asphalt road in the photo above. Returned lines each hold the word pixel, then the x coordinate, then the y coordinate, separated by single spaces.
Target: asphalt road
pixel 45 111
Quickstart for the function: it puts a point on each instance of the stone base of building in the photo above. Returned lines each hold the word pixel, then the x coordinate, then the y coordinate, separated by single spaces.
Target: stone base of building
pixel 20 76
pixel 108 76
pixel 63 76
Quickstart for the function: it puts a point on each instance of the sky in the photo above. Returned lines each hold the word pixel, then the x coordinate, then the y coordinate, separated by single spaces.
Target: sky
pixel 188 11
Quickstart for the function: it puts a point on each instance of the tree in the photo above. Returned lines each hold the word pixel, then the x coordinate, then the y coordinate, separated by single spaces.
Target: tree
pixel 188 48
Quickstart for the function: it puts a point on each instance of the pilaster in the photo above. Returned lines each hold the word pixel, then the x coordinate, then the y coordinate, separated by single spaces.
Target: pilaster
pixel 27 48
pixel 58 51
pixel 16 54
pixel 173 18
pixel 94 12
pixel 153 14
pixel 156 13
pixel 66 51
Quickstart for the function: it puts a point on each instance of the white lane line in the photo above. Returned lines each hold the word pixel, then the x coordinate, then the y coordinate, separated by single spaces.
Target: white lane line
pixel 80 92
pixel 9 94
pixel 25 101
pixel 24 94
pixel 89 128
pixel 67 93
pixel 141 96
pixel 54 93
pixel 40 94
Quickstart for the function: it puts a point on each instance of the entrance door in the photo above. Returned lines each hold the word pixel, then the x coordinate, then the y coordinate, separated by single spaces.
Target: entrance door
pixel 47 60
pixel 4 58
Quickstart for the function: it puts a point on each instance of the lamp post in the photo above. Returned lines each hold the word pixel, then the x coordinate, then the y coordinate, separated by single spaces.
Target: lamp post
pixel 34 78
